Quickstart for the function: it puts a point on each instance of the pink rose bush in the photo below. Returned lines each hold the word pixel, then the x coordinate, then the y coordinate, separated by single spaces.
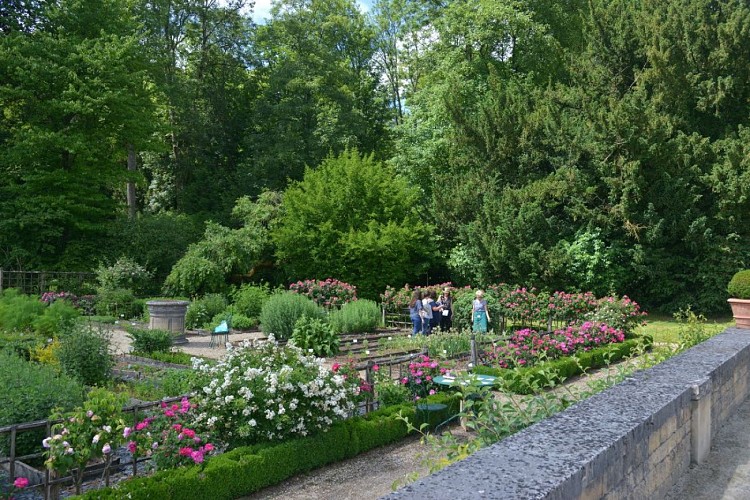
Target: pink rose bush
pixel 19 484
pixel 168 438
pixel 420 379
pixel 526 347
pixel 329 293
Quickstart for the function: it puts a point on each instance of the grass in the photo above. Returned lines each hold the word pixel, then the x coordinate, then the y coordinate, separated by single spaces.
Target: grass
pixel 666 329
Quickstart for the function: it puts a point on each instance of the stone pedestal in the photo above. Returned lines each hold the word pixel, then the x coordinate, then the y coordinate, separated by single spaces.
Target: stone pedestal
pixel 168 315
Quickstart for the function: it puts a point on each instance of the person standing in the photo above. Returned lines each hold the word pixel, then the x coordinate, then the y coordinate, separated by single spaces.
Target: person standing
pixel 427 303
pixel 416 312
pixel 446 313
pixel 479 313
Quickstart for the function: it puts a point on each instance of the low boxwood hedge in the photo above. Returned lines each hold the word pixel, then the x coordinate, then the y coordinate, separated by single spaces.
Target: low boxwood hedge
pixel 247 469
pixel 534 378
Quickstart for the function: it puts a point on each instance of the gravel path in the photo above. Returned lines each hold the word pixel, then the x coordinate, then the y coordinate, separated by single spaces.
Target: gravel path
pixel 198 343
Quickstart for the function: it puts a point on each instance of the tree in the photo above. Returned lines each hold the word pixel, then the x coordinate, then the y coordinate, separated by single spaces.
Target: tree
pixel 314 65
pixel 74 94
pixel 224 253
pixel 353 219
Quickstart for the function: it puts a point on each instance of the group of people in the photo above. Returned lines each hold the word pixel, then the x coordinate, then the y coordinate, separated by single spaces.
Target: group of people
pixel 428 312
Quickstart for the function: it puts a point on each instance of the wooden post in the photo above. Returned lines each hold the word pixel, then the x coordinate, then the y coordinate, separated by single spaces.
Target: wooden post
pixel 473 350
pixel 12 468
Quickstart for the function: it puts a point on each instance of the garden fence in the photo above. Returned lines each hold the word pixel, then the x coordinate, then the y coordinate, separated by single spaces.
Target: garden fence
pixel 46 480
pixel 38 282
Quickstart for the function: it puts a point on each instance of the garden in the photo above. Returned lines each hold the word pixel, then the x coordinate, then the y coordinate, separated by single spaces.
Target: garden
pixel 327 380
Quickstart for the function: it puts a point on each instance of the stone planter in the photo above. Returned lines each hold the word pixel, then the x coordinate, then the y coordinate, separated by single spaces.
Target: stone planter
pixel 741 312
pixel 168 315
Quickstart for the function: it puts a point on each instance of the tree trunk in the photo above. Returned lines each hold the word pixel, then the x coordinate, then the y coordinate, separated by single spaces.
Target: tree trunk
pixel 131 184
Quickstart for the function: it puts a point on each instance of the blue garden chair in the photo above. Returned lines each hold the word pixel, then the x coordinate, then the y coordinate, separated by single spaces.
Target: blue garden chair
pixel 220 334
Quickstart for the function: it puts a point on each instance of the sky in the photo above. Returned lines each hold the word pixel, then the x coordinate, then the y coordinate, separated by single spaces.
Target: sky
pixel 263 8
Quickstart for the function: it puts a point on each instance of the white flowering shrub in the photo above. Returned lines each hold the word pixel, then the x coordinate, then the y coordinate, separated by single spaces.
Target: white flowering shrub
pixel 271 393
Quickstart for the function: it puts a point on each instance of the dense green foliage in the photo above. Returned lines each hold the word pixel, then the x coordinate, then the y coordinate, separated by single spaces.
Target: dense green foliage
pixel 356 317
pixel 85 355
pixel 315 335
pixel 281 312
pixel 201 311
pixel 18 312
pixel 248 300
pixel 352 218
pixel 594 145
pixel 30 392
pixel 739 285
pixel 150 341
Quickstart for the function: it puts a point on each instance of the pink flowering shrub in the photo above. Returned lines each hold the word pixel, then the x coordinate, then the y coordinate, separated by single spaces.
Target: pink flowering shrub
pixel 571 306
pixel 623 313
pixel 50 297
pixel 328 293
pixel 358 386
pixel 420 379
pixel 168 437
pixel 521 304
pixel 526 347
pixel 19 484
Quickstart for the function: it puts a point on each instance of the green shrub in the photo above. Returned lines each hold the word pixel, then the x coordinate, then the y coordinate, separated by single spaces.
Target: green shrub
pixel 84 355
pixel 282 310
pixel 148 341
pixel 58 317
pixel 119 302
pixel 201 311
pixel 20 343
pixel 249 299
pixel 739 285
pixel 18 312
pixel 29 392
pixel 315 334
pixel 356 317
pixel 242 322
pixel 177 358
pixel 125 273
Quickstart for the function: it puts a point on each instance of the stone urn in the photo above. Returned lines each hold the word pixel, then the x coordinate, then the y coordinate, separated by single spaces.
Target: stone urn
pixel 741 312
pixel 168 315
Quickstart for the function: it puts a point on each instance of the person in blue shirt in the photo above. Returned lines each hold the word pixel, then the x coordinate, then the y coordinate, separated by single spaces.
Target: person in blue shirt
pixel 416 311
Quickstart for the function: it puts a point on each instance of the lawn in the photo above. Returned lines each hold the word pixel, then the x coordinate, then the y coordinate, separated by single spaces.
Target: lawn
pixel 666 329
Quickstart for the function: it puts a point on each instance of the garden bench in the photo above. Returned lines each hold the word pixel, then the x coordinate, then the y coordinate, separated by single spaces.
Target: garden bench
pixel 221 332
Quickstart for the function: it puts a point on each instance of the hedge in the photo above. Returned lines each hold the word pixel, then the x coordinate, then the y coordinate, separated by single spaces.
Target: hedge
pixel 534 378
pixel 247 469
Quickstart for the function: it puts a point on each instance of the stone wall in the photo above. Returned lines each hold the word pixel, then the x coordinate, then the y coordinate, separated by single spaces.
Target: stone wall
pixel 633 440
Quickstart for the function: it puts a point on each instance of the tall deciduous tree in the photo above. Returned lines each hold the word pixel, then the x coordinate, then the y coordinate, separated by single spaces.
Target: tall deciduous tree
pixel 314 64
pixel 74 93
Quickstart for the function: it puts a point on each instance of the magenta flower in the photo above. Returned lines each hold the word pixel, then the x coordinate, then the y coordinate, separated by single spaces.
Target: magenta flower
pixel 21 482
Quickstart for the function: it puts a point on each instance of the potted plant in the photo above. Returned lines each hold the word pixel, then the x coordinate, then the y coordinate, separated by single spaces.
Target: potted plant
pixel 739 291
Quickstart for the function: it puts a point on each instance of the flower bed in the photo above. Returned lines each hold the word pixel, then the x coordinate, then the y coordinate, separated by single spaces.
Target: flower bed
pixel 527 347
pixel 252 468
pixel 532 379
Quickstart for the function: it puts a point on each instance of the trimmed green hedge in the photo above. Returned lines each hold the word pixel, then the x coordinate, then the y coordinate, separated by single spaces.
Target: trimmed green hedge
pixel 532 379
pixel 252 468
